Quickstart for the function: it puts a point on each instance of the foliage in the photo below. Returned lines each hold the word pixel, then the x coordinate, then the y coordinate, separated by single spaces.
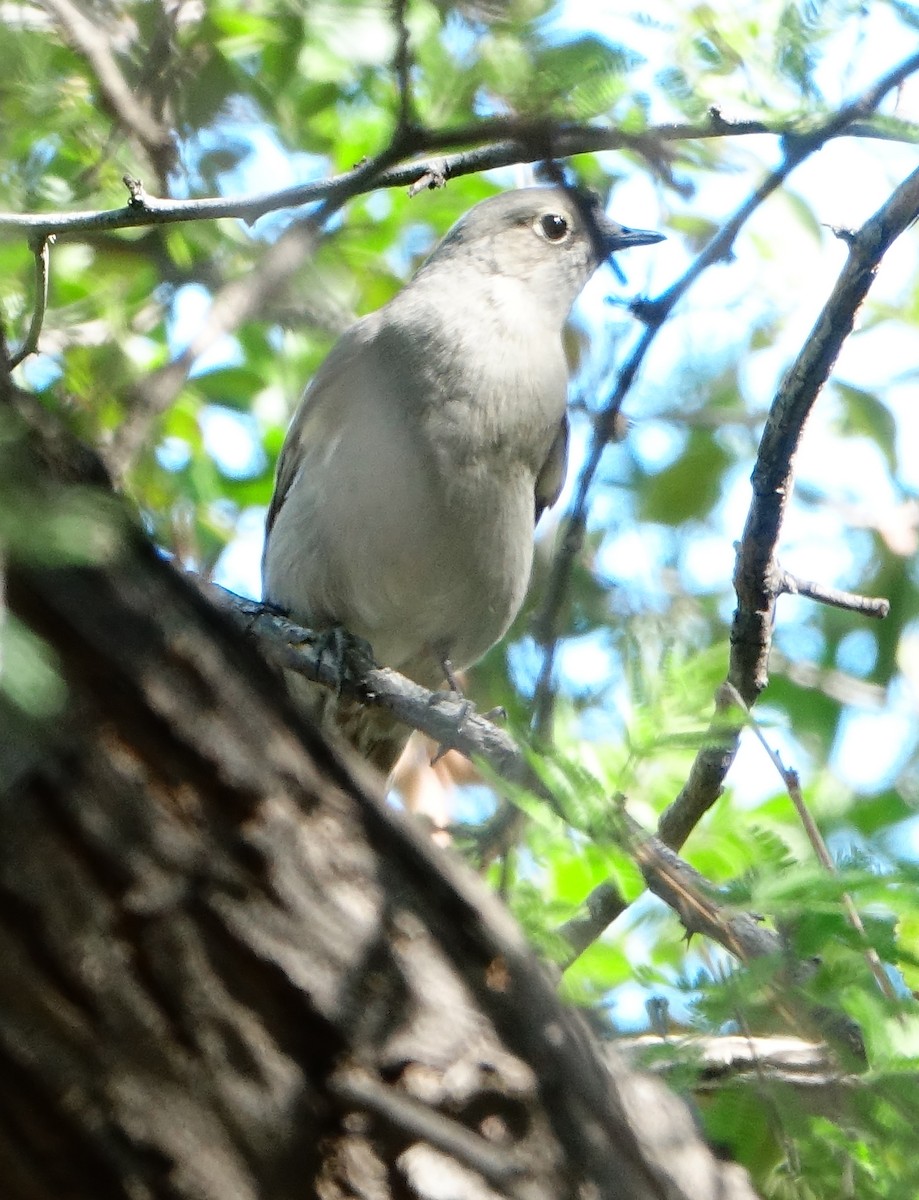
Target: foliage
pixel 269 93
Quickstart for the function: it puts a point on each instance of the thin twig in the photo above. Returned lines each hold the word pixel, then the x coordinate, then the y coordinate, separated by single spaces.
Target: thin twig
pixel 866 606
pixel 790 779
pixel 402 66
pixel 41 252
pixel 418 1120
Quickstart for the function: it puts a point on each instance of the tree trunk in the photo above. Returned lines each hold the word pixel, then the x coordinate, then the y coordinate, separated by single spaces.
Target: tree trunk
pixel 227 969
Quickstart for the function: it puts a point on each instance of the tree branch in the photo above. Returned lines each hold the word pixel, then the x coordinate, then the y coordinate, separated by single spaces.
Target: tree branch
pixel 517 142
pixel 758 577
pixel 654 313
pixel 155 138
pixel 442 716
pixel 448 720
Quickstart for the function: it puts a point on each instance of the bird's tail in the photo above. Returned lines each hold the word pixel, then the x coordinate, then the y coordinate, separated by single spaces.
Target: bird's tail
pixel 376 736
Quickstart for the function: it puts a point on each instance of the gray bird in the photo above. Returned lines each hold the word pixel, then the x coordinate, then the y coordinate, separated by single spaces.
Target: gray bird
pixel 428 445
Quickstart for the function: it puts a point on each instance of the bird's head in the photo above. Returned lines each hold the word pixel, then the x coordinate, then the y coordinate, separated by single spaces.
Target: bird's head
pixel 550 239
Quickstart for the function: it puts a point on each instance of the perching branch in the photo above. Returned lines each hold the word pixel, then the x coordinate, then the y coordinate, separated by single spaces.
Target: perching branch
pixel 448 720
pixel 442 716
pixel 232 970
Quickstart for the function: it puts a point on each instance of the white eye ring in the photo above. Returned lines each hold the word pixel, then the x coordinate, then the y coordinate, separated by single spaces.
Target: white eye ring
pixel 553 227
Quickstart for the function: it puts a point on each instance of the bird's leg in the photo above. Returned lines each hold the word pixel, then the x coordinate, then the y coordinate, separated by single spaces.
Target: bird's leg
pixel 450 675
pixel 494 714
pixel 466 706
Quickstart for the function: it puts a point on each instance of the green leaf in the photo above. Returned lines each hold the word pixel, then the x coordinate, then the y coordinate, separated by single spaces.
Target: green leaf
pixel 690 487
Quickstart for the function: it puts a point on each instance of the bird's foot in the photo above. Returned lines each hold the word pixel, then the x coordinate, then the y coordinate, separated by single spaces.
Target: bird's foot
pixel 344 654
pixel 497 716
pixel 466 707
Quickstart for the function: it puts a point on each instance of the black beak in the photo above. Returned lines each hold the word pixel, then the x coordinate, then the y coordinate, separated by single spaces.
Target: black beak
pixel 607 236
pixel 613 237
pixel 620 237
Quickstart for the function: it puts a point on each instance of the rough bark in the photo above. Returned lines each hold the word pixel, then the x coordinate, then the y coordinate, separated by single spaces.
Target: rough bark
pixel 229 971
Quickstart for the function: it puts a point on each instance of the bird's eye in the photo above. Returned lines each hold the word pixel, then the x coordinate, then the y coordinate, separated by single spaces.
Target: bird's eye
pixel 553 227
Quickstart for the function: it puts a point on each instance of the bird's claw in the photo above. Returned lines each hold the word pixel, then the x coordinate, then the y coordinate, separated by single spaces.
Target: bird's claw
pixel 346 655
pixel 465 709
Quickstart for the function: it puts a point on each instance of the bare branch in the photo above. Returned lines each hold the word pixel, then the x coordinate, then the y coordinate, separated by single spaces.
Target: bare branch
pixel 653 313
pixel 496 143
pixel 443 716
pixel 866 606
pixel 402 65
pixel 758 577
pixel 41 251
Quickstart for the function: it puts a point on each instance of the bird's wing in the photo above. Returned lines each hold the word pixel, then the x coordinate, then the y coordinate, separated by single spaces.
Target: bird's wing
pixel 551 477
pixel 288 463
pixel 319 413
